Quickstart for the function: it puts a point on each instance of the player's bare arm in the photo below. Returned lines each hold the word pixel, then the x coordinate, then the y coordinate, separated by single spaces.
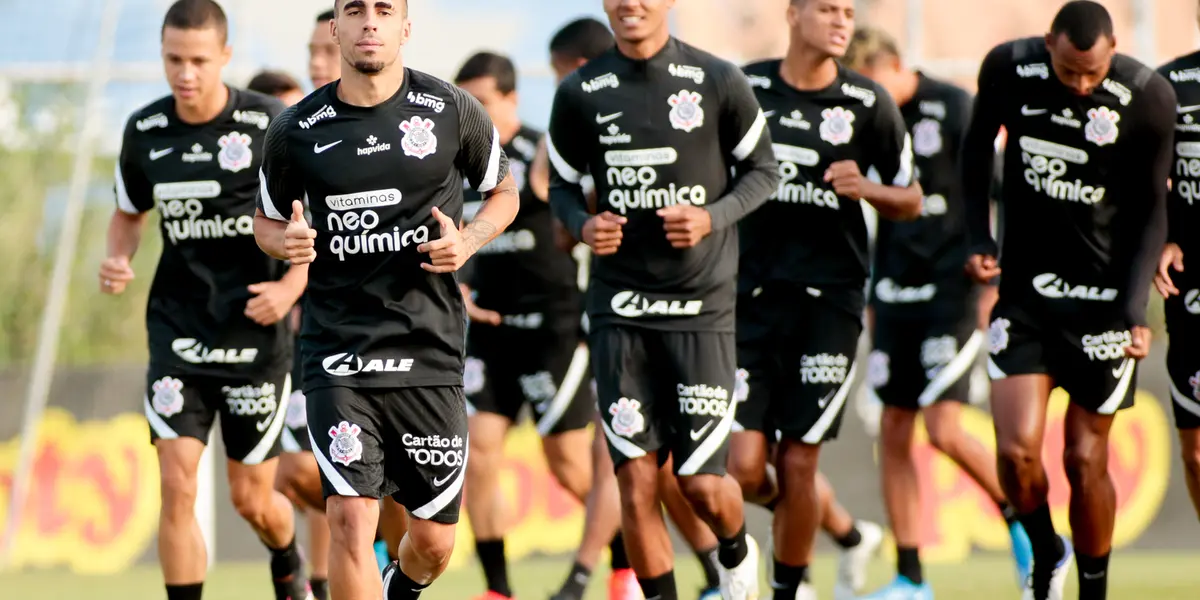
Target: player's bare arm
pixel 448 253
pixel 273 300
pixel 291 240
pixel 124 236
pixel 892 202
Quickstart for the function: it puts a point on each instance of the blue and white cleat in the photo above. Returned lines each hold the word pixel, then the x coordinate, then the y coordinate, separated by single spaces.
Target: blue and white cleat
pixel 902 588
pixel 1022 551
pixel 381 555
pixel 710 594
pixel 1058 579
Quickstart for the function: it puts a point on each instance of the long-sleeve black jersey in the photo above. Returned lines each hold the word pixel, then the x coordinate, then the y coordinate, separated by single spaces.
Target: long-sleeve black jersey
pixel 372 175
pixel 1084 195
pixel 656 133
pixel 522 272
pixel 806 234
pixel 919 264
pixel 202 179
pixel 1183 204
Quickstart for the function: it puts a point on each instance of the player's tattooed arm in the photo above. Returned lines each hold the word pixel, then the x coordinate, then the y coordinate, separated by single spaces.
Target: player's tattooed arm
pixel 499 209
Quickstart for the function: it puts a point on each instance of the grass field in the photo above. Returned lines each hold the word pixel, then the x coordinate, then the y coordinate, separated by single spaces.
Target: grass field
pixel 1135 576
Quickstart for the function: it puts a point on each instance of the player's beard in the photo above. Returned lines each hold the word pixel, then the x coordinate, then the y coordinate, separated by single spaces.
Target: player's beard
pixel 368 67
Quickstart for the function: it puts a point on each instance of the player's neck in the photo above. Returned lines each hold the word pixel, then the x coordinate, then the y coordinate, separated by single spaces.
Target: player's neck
pixel 644 49
pixel 360 89
pixel 806 69
pixel 206 109
pixel 907 88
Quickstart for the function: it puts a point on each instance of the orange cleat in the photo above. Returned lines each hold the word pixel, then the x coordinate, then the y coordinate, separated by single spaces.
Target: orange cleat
pixel 623 585
pixel 490 595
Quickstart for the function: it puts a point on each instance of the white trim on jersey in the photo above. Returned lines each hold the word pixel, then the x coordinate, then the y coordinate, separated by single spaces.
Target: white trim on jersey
pixel 436 505
pixel 269 208
pixel 624 446
pixel 832 410
pixel 565 170
pixel 716 439
pixel 956 369
pixel 339 483
pixel 1128 366
pixel 566 391
pixel 264 445
pixel 1183 401
pixel 753 135
pixel 124 203
pixel 160 427
pixel 493 167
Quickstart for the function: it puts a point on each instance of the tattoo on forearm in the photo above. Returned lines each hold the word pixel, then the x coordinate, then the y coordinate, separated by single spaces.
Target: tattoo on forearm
pixel 478 233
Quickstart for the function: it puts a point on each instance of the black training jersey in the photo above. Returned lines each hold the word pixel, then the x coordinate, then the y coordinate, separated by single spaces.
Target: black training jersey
pixel 1183 203
pixel 372 175
pixel 806 234
pixel 522 271
pixel 202 179
pixel 919 264
pixel 1084 181
pixel 656 133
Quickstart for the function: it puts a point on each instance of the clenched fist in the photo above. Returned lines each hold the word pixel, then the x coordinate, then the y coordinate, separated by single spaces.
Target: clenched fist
pixel 115 274
pixel 603 233
pixel 846 179
pixel 298 238
pixel 685 224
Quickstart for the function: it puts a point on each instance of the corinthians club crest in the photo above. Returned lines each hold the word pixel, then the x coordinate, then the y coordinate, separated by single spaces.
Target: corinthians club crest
pixel 1101 128
pixel 235 154
pixel 168 396
pixel 627 419
pixel 345 447
pixel 927 137
pixel 836 127
pixel 418 140
pixel 686 113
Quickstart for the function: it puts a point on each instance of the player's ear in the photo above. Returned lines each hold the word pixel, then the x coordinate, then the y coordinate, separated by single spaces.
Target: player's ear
pixel 1049 41
pixel 406 32
pixel 226 54
pixel 793 15
pixel 333 29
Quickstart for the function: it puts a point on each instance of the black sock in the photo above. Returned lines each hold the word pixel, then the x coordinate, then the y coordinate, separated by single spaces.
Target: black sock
pixel 1008 512
pixel 576 582
pixel 284 561
pixel 708 562
pixel 851 539
pixel 320 588
pixel 770 504
pixel 788 579
pixel 398 586
pixel 659 588
pixel 732 551
pixel 190 591
pixel 619 559
pixel 908 564
pixel 1093 576
pixel 1047 546
pixel 495 567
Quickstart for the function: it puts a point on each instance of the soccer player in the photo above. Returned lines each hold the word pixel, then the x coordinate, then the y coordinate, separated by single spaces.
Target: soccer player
pixel 277 83
pixel 1084 222
pixel 381 156
pixel 524 345
pixel 926 327
pixel 660 125
pixel 1182 290
pixel 804 265
pixel 219 344
pixel 324 56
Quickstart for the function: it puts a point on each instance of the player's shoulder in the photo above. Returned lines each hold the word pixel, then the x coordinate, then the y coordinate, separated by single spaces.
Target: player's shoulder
pixel 1024 58
pixel 159 114
pixel 599 73
pixel 690 62
pixel 1129 79
pixel 1184 69
pixel 253 108
pixel 762 74
pixel 943 89
pixel 859 87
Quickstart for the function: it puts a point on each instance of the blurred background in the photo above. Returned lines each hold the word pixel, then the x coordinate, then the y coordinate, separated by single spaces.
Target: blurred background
pixel 90 512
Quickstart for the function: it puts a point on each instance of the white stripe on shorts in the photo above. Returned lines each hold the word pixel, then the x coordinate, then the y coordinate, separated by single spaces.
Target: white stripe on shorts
pixel 1114 401
pixel 260 451
pixel 956 369
pixel 288 442
pixel 1183 401
pixel 160 427
pixel 624 446
pixel 716 439
pixel 435 506
pixel 566 391
pixel 832 410
pixel 339 483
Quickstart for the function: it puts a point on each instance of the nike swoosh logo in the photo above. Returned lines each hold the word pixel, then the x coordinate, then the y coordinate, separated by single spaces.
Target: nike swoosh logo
pixel 823 402
pixel 601 119
pixel 317 148
pixel 699 434
pixel 1029 112
pixel 261 426
pixel 1187 109
pixel 1120 371
pixel 157 154
pixel 439 482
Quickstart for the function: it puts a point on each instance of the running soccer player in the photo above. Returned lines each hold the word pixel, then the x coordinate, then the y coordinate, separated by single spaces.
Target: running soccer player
pixel 324 55
pixel 1182 290
pixel 1084 214
pixel 804 265
pixel 660 306
pixel 926 327
pixel 381 156
pixel 525 298
pixel 219 344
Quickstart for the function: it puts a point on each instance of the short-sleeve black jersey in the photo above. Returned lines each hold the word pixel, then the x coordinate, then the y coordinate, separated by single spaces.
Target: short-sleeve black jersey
pixel 373 317
pixel 202 179
pixel 1083 201
pixel 1183 204
pixel 806 234
pixel 656 133
pixel 919 264
pixel 522 271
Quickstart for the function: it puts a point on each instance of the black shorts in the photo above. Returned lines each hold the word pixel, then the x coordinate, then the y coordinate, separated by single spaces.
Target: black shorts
pixel 252 411
pixel 922 359
pixel 548 368
pixel 407 443
pixel 666 390
pixel 1087 359
pixel 1183 358
pixel 796 351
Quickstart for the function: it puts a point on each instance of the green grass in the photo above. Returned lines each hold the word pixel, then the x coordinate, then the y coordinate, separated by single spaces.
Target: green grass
pixel 1135 576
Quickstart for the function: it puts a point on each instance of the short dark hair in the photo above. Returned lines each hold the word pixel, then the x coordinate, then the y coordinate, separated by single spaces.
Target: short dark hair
pixel 490 64
pixel 272 83
pixel 1083 22
pixel 197 14
pixel 584 38
pixel 328 15
pixel 867 45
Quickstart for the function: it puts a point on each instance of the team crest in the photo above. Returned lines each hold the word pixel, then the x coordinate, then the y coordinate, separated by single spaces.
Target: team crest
pixel 627 419
pixel 418 140
pixel 686 113
pixel 1195 381
pixel 235 153
pixel 741 385
pixel 878 369
pixel 927 137
pixel 1101 128
pixel 836 127
pixel 345 447
pixel 296 416
pixel 168 396
pixel 473 376
pixel 998 335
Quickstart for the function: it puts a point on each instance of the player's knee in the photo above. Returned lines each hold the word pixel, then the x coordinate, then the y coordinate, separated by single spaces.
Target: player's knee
pixel 1191 461
pixel 639 499
pixel 352 522
pixel 250 500
pixel 702 490
pixel 750 474
pixel 178 492
pixel 896 431
pixel 1016 455
pixel 944 437
pixel 1083 464
pixel 573 475
pixel 799 460
pixel 433 542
